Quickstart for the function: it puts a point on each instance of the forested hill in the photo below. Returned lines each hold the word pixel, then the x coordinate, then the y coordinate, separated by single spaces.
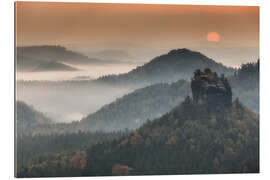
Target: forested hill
pixel 133 109
pixel 206 134
pixel 177 64
pixel 28 117
pixel 187 140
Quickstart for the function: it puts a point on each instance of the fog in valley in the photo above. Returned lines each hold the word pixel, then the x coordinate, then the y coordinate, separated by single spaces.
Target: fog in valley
pixel 83 72
pixel 67 101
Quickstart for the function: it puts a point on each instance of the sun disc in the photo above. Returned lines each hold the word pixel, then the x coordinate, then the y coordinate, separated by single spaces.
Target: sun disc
pixel 213 37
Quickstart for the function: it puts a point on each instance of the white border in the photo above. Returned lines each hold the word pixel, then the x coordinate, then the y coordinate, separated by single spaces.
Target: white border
pixel 7 87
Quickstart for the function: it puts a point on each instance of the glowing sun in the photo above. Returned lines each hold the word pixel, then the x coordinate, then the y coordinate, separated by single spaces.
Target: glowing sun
pixel 213 37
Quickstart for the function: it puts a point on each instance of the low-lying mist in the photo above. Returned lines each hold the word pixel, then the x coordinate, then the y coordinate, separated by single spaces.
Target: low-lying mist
pixel 93 71
pixel 66 101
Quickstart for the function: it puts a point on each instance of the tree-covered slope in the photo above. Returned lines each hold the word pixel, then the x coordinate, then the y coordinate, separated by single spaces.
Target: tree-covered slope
pixel 188 140
pixel 36 151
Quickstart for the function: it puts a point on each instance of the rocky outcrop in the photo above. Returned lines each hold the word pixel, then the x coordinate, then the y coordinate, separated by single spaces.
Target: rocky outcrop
pixel 211 90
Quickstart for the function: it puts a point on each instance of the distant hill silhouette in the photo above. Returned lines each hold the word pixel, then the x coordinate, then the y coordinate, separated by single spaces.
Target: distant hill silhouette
pixel 177 64
pixel 31 58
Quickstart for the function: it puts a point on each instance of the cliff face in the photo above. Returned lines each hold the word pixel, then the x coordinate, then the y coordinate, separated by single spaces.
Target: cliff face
pixel 211 90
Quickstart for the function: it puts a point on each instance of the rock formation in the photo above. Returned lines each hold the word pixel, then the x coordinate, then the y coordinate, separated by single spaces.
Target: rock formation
pixel 211 90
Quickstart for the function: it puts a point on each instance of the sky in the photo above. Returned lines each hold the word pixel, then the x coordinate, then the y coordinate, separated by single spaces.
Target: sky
pixel 228 34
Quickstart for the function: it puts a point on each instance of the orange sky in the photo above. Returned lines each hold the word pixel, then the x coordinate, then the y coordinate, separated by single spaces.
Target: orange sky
pixel 90 27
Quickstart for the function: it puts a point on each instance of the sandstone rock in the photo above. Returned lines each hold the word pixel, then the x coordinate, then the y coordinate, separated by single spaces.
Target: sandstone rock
pixel 211 90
